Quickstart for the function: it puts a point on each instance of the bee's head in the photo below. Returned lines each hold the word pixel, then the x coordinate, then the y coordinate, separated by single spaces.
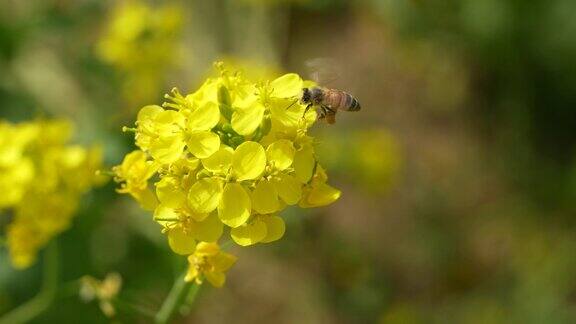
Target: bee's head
pixel 316 95
pixel 306 96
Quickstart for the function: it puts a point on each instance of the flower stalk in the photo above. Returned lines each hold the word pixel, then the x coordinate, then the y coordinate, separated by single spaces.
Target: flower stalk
pixel 38 304
pixel 176 298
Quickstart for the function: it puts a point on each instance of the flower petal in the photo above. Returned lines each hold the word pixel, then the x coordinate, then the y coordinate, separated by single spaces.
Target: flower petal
pixel 198 217
pixel 217 279
pixel 234 208
pixel 204 195
pixel 180 242
pixel 249 161
pixel 208 92
pixel 265 198
pixel 169 120
pixel 289 189
pixel 286 86
pixel 164 214
pixel 320 194
pixel 169 193
pixel 146 198
pixel 281 154
pixel 207 249
pixel 275 228
pixel 284 118
pixel 219 162
pixel 208 230
pixel 304 162
pixel 249 234
pixel 205 117
pixel 223 261
pixel 203 144
pixel 245 122
pixel 167 149
pixel 148 113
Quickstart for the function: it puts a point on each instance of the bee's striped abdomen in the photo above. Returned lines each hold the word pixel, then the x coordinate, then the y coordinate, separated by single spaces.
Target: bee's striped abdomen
pixel 354 105
pixel 349 102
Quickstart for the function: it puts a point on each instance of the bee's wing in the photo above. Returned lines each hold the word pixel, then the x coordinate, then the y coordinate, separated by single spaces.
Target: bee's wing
pixel 324 70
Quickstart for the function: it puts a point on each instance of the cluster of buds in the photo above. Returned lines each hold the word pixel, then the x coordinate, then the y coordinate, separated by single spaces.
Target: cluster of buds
pixel 39 194
pixel 232 155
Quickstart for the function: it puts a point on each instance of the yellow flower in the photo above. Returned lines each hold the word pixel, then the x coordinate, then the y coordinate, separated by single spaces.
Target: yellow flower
pixel 233 154
pixel 24 240
pixel 318 193
pixel 260 229
pixel 209 262
pixel 14 180
pixel 142 42
pixel 134 173
pixel 102 290
pixel 42 179
pixel 159 132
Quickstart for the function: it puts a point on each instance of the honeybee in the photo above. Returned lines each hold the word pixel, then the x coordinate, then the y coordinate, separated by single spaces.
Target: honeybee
pixel 327 102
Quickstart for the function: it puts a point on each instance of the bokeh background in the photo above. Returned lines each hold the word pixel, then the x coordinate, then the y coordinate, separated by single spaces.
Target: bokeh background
pixel 458 175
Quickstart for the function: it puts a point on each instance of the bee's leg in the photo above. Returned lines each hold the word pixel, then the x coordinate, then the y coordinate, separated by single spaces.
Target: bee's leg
pixel 321 112
pixel 331 118
pixel 306 110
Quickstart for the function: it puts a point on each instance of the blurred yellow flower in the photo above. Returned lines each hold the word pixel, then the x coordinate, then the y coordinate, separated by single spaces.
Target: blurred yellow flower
pixel 102 290
pixel 233 154
pixel 375 165
pixel 142 42
pixel 42 179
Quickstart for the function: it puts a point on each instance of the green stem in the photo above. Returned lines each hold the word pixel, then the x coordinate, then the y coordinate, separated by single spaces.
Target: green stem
pixel 39 303
pixel 175 299
pixel 133 308
pixel 192 294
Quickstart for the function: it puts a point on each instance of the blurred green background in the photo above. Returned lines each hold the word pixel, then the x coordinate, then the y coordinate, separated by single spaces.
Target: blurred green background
pixel 458 175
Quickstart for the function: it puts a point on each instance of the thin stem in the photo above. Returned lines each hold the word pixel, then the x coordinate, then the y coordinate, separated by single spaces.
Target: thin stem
pixel 190 298
pixel 39 303
pixel 174 300
pixel 192 294
pixel 133 308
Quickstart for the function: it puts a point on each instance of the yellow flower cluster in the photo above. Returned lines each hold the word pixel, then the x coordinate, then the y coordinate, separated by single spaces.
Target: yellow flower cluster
pixel 232 154
pixel 41 180
pixel 140 41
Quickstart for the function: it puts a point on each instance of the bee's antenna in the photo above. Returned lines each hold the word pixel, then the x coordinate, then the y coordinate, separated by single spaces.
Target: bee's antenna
pixel 292 104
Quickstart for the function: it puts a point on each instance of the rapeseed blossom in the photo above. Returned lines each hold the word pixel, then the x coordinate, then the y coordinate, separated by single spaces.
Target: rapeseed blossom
pixel 104 291
pixel 209 262
pixel 141 41
pixel 41 178
pixel 230 156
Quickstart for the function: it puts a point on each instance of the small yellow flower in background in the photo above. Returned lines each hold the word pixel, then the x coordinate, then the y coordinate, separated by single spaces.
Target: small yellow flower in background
pixel 371 158
pixel 102 290
pixel 230 156
pixel 386 166
pixel 209 262
pixel 42 178
pixel 141 41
